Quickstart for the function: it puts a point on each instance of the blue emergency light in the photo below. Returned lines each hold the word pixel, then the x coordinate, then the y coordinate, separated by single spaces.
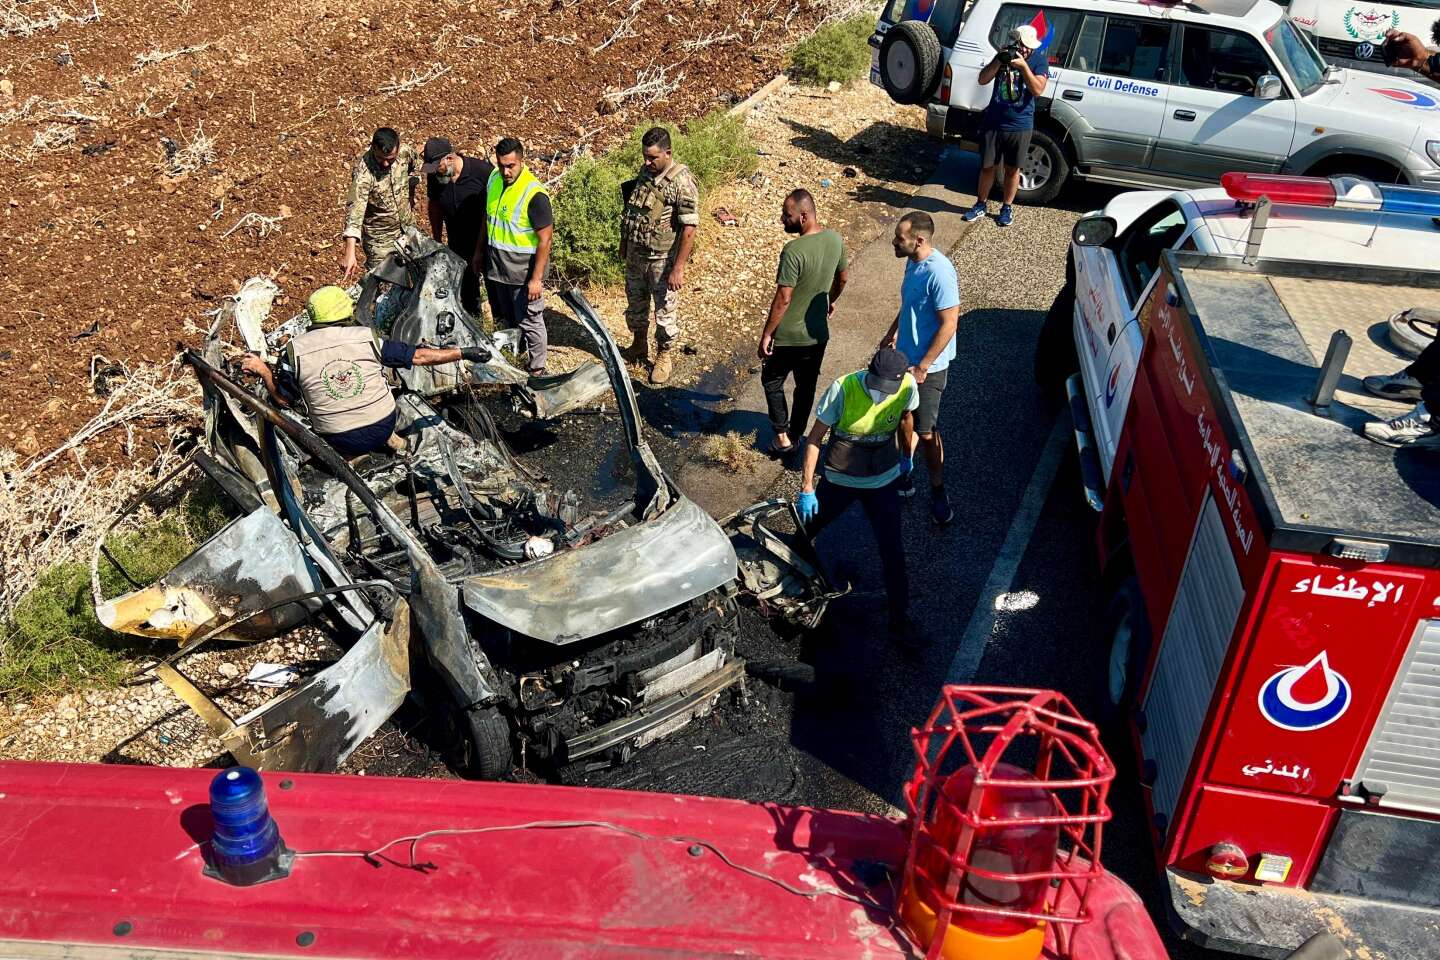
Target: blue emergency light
pixel 1340 193
pixel 245 847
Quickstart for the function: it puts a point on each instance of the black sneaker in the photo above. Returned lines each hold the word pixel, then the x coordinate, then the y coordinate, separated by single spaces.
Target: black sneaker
pixel 940 506
pixel 904 485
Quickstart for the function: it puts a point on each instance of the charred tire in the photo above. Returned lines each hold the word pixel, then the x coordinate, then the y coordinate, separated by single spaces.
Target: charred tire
pixel 1055 356
pixel 910 61
pixel 1044 170
pixel 488 731
pixel 1127 651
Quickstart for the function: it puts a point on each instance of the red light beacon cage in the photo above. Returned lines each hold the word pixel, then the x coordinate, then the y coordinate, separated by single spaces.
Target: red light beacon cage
pixel 1006 809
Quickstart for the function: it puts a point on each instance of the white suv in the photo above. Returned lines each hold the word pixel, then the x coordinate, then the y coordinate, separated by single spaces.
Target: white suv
pixel 1145 94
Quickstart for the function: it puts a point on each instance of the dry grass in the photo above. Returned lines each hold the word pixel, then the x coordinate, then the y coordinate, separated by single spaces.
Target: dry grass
pixel 21 18
pixel 731 450
pixel 197 151
pixel 54 136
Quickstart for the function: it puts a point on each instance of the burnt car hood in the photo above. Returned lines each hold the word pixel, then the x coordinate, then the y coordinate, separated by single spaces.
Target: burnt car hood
pixel 630 576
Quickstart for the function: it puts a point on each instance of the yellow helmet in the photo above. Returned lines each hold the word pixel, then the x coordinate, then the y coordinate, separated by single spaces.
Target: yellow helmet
pixel 329 305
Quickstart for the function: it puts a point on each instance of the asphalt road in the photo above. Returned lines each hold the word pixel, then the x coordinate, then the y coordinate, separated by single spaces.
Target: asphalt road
pixel 1008 594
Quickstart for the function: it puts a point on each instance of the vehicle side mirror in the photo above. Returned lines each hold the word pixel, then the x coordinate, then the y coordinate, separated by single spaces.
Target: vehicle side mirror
pixel 1268 87
pixel 1094 231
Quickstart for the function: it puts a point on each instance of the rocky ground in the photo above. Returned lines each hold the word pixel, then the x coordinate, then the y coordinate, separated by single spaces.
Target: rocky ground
pixel 855 139
pixel 155 154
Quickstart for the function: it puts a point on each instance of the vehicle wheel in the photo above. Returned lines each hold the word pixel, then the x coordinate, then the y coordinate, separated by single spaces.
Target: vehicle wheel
pixel 1055 356
pixel 910 61
pixel 490 754
pixel 1340 166
pixel 1127 652
pixel 1043 170
pixel 1411 334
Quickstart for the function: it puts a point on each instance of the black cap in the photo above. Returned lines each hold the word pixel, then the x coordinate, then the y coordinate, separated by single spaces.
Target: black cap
pixel 887 371
pixel 436 149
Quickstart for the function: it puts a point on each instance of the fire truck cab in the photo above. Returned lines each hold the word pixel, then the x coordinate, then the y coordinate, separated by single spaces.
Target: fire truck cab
pixel 1274 633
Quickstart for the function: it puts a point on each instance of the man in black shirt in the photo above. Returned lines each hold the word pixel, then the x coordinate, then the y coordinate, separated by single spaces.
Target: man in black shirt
pixel 455 186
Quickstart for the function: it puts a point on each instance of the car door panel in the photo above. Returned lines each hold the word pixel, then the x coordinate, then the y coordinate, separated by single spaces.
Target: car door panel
pixel 1213 124
pixel 1115 84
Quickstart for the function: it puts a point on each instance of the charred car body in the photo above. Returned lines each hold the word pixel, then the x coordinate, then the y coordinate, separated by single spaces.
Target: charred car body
pixel 562 625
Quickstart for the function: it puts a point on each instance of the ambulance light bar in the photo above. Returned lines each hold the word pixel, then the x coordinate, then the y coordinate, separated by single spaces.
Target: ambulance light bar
pixel 1340 193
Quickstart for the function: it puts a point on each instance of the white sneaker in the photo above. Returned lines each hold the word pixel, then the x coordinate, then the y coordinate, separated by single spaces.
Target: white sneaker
pixel 1394 386
pixel 1413 429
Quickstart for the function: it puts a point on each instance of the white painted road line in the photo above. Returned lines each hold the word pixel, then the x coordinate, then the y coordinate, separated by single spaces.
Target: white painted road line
pixel 1002 574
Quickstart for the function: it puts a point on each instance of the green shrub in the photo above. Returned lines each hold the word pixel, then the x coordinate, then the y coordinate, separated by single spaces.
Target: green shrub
pixel 587 203
pixel 586 244
pixel 837 52
pixel 52 641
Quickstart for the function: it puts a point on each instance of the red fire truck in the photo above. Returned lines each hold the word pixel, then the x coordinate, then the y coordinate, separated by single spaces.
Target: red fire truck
pixel 997 859
pixel 1275 627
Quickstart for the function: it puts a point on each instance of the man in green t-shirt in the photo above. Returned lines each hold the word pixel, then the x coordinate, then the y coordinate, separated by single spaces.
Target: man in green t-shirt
pixel 813 270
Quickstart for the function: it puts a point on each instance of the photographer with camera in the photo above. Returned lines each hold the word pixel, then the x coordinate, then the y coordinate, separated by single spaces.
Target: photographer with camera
pixel 1019 72
pixel 1407 50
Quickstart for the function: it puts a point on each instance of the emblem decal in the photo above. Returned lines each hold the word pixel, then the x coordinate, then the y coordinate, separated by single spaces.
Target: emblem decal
pixel 1369 24
pixel 1305 697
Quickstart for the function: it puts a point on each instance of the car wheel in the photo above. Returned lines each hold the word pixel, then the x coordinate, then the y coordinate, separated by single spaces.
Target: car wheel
pixel 1043 170
pixel 1055 356
pixel 910 61
pixel 489 732
pixel 1128 650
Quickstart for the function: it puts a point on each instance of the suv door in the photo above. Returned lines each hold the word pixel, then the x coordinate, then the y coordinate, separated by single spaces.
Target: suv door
pixel 1213 122
pixel 1112 97
pixel 1112 282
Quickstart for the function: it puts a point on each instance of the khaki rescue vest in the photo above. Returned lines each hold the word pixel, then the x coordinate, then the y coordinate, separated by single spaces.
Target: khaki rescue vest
pixel 341 378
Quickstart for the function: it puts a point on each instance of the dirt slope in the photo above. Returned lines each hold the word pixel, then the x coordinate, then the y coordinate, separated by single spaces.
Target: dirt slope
pixel 105 252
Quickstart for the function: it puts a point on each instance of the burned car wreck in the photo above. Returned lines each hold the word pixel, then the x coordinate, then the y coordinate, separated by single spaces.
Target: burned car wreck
pixel 550 625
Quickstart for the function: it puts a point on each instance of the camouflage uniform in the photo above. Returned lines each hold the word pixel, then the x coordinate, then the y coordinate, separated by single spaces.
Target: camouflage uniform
pixel 656 209
pixel 378 202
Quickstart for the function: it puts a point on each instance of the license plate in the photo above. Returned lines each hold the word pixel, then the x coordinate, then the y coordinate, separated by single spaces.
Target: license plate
pixel 875 66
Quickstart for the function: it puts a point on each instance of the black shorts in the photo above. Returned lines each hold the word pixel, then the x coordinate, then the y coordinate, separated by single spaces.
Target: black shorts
pixel 929 410
pixel 1004 146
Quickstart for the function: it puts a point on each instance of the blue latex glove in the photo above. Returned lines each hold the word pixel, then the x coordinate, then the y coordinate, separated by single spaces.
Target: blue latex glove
pixel 807 506
pixel 907 464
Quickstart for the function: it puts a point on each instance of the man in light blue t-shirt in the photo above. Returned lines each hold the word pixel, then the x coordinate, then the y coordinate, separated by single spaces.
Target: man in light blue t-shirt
pixel 924 330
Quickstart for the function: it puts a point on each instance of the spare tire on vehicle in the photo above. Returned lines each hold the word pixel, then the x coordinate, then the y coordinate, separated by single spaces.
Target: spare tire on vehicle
pixel 910 61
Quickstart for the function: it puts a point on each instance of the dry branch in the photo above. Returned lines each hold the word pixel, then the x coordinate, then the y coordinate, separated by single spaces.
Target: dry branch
pixel 48 517
pixel 625 28
pixel 709 40
pixel 414 81
pixel 144 60
pixel 651 84
pixel 261 225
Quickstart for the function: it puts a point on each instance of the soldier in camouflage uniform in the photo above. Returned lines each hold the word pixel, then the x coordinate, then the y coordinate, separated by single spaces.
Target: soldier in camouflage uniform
pixel 381 200
pixel 657 232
